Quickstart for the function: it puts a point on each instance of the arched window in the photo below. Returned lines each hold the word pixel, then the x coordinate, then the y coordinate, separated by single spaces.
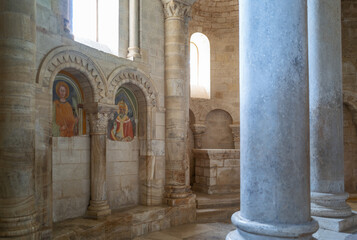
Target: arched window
pixel 96 23
pixel 200 66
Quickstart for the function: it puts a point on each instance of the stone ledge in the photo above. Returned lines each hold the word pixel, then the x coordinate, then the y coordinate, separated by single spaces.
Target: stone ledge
pixel 125 224
pixel 337 224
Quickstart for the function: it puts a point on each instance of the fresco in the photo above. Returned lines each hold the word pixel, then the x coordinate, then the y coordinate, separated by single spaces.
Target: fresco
pixel 67 120
pixel 122 127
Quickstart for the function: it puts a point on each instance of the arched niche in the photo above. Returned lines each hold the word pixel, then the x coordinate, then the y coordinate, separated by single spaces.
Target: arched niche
pixel 218 133
pixel 70 148
pixel 63 162
pixel 125 156
pixel 147 156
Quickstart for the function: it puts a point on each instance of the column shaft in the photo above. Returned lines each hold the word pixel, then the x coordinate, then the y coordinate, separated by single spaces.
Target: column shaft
pixel 326 110
pixel 133 49
pixel 18 214
pixel 98 206
pixel 176 99
pixel 275 186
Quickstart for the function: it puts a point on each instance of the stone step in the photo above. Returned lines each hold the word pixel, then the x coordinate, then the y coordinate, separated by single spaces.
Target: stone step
pixel 215 214
pixel 211 201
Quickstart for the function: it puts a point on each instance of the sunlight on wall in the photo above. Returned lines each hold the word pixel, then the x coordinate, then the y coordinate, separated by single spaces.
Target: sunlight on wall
pixel 200 66
pixel 96 23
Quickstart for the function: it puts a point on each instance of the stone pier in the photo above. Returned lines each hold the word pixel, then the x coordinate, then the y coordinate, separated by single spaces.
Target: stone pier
pixel 275 181
pixel 328 198
pixel 176 102
pixel 18 213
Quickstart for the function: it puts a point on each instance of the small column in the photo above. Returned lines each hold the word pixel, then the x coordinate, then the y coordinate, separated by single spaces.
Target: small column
pixel 328 196
pixel 275 181
pixel 177 191
pixel 18 211
pixel 198 130
pixel 236 135
pixel 98 120
pixel 134 51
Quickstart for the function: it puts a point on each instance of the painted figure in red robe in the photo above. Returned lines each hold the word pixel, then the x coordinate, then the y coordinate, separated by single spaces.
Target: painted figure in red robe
pixel 122 129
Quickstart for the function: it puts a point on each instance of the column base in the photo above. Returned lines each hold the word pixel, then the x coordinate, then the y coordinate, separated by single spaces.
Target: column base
pixel 330 205
pixel 337 224
pixel 19 227
pixel 252 230
pixel 179 195
pixel 241 235
pixel 324 234
pixel 134 52
pixel 98 209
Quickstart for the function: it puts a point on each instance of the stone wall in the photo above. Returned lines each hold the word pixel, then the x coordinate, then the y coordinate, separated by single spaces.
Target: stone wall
pixel 70 176
pixel 218 134
pixel 219 20
pixel 94 70
pixel 350 152
pixel 122 173
pixel 349 57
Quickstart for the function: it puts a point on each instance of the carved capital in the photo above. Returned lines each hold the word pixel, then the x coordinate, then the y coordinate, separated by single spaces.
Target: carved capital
pixel 98 122
pixel 177 9
pixel 198 130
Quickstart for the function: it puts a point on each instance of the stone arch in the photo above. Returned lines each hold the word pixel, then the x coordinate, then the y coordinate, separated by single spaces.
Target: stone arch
pixel 125 75
pixel 142 87
pixel 69 58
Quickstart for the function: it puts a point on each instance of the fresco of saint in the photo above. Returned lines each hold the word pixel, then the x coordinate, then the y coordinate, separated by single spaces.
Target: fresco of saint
pixel 64 117
pixel 122 129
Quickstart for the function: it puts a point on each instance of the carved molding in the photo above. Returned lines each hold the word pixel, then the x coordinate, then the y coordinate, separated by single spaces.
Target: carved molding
pixel 121 76
pixel 98 122
pixel 177 9
pixel 65 57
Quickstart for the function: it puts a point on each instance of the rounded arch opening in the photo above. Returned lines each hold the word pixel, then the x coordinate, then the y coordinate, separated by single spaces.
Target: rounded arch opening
pixel 200 66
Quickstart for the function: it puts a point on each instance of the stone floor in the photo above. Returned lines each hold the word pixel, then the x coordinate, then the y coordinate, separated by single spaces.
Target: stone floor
pixel 199 231
pixel 208 231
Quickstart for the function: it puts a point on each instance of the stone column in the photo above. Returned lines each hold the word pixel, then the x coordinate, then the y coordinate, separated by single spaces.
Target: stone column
pixel 236 135
pixel 176 101
pixel 134 51
pixel 18 213
pixel 98 120
pixel 198 130
pixel 123 28
pixel 328 198
pixel 274 110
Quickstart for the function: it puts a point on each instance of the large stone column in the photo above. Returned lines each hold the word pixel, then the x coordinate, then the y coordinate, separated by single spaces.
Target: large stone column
pixel 274 110
pixel 176 101
pixel 98 120
pixel 18 214
pixel 134 51
pixel 328 198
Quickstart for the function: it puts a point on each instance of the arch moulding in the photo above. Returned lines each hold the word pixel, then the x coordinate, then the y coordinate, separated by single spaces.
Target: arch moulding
pixel 65 57
pixel 124 75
